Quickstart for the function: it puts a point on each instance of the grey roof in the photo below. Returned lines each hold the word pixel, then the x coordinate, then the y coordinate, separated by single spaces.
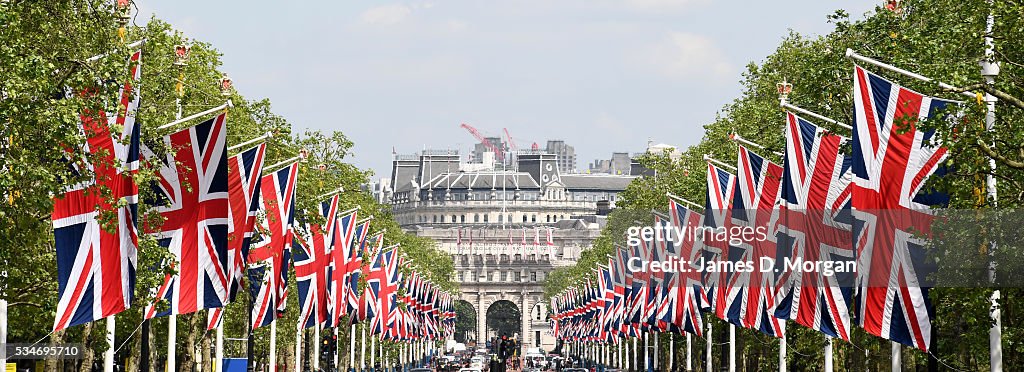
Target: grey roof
pixel 482 180
pixel 596 182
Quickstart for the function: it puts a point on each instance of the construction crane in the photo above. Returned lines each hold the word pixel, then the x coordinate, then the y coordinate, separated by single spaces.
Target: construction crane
pixel 511 143
pixel 498 152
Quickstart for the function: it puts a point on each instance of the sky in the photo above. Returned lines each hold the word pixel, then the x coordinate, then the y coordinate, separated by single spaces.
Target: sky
pixel 603 75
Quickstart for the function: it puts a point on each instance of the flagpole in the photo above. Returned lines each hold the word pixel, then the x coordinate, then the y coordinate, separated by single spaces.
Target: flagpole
pixel 362 355
pixel 782 349
pixel 352 347
pixel 707 356
pixel 786 105
pixel 897 357
pixel 316 347
pixel 709 159
pixel 634 353
pixel 373 352
pixel 180 119
pixel 252 141
pixel 656 351
pixel 108 355
pixel 689 363
pixel 172 336
pixel 990 69
pixel 335 351
pixel 853 55
pixel 3 331
pixel 298 349
pixel 828 354
pixel 732 347
pixel 273 344
pixel 218 363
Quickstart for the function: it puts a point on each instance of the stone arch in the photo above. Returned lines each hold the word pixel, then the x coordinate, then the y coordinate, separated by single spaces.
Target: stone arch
pixel 504 318
pixel 465 321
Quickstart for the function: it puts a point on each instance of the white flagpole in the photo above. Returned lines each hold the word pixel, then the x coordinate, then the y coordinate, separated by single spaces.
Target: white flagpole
pixel 897 357
pixel 180 119
pixel 298 349
pixel 656 351
pixel 3 333
pixel 316 347
pixel 828 354
pixel 707 357
pixel 218 363
pixel 782 349
pixel 172 336
pixel 647 352
pixel 273 345
pixel 990 69
pixel 352 348
pixel 335 351
pixel 689 362
pixel 732 348
pixel 108 356
pixel 671 351
pixel 373 352
pixel 634 354
pixel 362 355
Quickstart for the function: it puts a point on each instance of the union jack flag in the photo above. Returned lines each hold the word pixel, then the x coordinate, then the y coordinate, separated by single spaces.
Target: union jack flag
pixel 244 173
pixel 341 245
pixel 892 158
pixel 373 268
pixel 814 225
pixel 192 197
pixel 312 266
pixel 755 207
pixel 353 269
pixel 261 288
pixel 690 292
pixel 96 265
pixel 721 186
pixel 274 232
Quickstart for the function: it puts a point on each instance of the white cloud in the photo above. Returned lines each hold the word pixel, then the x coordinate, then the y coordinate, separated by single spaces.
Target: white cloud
pixel 385 15
pixel 686 55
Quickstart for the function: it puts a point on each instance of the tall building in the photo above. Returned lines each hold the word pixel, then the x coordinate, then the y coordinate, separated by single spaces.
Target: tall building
pixel 479 149
pixel 505 230
pixel 565 155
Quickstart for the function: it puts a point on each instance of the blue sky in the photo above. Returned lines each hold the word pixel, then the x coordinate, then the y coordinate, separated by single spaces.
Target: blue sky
pixel 603 75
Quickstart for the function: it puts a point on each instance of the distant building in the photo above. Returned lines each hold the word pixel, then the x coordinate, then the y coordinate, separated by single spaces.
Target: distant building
pixel 479 149
pixel 619 164
pixel 565 155
pixel 505 230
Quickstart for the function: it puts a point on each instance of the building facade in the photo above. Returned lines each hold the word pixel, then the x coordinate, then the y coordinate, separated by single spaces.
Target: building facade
pixel 505 229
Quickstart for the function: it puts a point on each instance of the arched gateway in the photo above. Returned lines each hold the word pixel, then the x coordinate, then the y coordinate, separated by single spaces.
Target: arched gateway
pixel 506 226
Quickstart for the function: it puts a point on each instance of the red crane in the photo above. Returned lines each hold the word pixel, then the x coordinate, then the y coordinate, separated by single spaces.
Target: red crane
pixel 498 153
pixel 511 143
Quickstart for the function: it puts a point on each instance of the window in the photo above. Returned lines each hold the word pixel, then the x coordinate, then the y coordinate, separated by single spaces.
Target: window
pixel 504 276
pixel 524 218
pixel 485 218
pixel 476 218
pixel 501 218
pixel 435 218
pixel 533 218
pixel 533 276
pixel 453 218
pixel 463 218
pixel 460 276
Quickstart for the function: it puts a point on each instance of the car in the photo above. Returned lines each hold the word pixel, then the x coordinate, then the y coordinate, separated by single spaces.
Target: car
pixel 470 370
pixel 420 370
pixel 575 370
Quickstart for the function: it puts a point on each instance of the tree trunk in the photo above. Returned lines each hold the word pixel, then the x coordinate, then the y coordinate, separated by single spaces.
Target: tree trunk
pixel 87 355
pixel 207 358
pixel 51 364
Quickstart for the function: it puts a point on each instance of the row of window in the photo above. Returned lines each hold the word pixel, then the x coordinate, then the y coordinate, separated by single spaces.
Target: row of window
pixel 498 276
pixel 485 218
pixel 465 258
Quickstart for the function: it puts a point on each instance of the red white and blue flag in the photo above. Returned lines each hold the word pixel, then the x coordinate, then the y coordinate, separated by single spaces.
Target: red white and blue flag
pixel 244 173
pixel 720 188
pixel 815 226
pixel 96 265
pixel 685 315
pixel 312 266
pixel 758 182
pixel 274 235
pixel 192 196
pixel 892 159
pixel 344 228
pixel 374 270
